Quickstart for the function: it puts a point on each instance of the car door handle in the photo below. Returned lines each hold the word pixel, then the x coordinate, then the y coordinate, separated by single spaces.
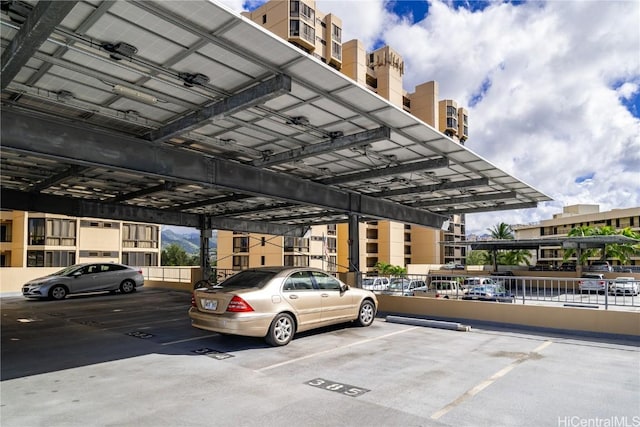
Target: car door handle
pixel 293 296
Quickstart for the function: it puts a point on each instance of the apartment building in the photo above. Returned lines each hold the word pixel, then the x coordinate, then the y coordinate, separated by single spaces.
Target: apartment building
pixel 31 239
pixel 576 216
pixel 381 71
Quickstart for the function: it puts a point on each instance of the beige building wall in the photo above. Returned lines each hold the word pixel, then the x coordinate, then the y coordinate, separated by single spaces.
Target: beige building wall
pixel 575 216
pixel 354 62
pixel 317 250
pixel 424 103
pixel 79 240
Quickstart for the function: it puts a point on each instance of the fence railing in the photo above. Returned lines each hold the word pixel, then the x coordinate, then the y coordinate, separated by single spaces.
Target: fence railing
pixel 565 291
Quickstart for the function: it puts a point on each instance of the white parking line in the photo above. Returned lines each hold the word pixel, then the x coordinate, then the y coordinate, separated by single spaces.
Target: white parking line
pixel 266 368
pixel 486 383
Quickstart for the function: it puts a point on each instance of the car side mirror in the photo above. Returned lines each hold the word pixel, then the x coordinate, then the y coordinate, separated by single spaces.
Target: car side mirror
pixel 77 274
pixel 344 288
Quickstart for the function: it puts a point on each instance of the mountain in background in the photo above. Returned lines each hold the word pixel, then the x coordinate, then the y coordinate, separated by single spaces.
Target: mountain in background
pixel 189 241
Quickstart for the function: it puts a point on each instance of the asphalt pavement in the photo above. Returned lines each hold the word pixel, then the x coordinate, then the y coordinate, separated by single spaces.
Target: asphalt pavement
pixel 134 360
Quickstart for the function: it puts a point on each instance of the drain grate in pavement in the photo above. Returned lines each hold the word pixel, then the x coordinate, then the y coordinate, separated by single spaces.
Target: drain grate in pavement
pixel 214 354
pixel 346 389
pixel 139 334
pixel 87 322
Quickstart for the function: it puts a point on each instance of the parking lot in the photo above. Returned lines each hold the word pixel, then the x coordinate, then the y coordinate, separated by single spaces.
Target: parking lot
pixel 134 359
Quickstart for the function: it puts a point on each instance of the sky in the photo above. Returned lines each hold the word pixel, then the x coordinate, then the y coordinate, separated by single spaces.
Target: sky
pixel 552 87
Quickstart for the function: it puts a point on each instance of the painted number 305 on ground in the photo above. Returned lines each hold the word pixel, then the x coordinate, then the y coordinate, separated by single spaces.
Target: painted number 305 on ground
pixel 345 389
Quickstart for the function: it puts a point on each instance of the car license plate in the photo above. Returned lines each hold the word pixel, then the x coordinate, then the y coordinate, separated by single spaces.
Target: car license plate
pixel 210 304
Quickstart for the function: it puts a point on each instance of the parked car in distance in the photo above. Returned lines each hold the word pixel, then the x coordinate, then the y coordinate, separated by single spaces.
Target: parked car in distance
pixel 567 266
pixel 495 293
pixel 624 286
pixel 79 278
pixel 404 286
pixel 592 283
pixel 470 282
pixel 441 289
pixel 600 266
pixel 375 283
pixel 278 302
pixel 453 266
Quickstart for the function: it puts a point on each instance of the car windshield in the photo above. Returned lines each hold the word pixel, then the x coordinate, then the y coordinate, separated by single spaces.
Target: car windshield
pixel 247 279
pixel 68 271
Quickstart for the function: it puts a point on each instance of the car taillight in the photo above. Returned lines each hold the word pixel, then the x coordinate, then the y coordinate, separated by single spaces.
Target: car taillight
pixel 193 300
pixel 601 283
pixel 238 305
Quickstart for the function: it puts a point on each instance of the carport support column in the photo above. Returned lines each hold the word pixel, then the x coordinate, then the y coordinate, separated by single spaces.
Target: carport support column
pixel 205 265
pixel 354 243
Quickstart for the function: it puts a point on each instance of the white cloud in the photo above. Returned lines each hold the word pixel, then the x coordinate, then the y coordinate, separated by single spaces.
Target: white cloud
pixel 544 83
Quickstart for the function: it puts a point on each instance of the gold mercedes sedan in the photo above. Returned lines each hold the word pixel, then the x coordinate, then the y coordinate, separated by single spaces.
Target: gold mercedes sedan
pixel 277 302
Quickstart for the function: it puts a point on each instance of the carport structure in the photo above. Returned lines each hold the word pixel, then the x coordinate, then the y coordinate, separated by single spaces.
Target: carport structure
pixel 186 113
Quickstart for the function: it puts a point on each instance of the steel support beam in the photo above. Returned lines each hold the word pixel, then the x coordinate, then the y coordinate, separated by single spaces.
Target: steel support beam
pixel 501 207
pixel 391 170
pixel 36 202
pixel 354 243
pixel 73 171
pixel 254 95
pixel 143 192
pixel 52 138
pixel 38 25
pixel 432 188
pixel 465 199
pixel 335 144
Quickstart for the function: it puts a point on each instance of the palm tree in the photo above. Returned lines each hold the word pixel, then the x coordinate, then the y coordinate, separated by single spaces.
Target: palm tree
pixel 501 231
pixel 619 251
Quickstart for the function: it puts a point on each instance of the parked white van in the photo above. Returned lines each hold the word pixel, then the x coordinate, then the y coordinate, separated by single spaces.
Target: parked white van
pixel 377 283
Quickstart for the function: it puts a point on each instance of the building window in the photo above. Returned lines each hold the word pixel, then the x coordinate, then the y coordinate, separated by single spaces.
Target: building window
pixel 140 236
pixel 263 241
pixel 296 260
pixel 59 258
pixel 294 8
pixel 61 232
pixel 140 259
pixel 296 244
pixel 336 33
pixel 452 123
pixel 5 232
pixel 241 244
pixel 336 50
pixel 451 111
pixel 264 18
pixel 240 262
pixel 36 232
pixel 294 28
pixel 262 260
pixel 332 229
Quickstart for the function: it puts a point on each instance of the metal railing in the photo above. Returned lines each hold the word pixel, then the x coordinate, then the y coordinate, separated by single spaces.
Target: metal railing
pixel 558 291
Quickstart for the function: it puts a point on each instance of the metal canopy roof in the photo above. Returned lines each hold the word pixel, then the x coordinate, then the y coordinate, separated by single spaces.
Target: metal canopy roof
pixel 187 113
pixel 564 242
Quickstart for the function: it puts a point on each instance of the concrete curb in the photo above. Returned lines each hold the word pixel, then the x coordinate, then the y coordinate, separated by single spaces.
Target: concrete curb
pixel 429 323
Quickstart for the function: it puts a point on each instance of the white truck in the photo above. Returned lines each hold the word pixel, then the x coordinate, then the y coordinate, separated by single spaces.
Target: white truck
pixel 448 289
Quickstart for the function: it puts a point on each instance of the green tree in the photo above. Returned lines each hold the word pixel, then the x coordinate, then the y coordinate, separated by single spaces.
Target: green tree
pixel 501 231
pixel 174 255
pixel 386 269
pixel 619 251
pixel 477 257
pixel 515 257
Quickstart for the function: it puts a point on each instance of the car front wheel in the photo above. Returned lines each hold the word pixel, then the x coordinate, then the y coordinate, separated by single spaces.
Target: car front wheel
pixel 58 292
pixel 281 330
pixel 367 313
pixel 127 287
